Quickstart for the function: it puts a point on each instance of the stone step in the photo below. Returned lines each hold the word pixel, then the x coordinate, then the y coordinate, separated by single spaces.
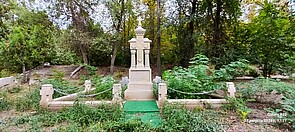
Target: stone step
pixel 141 106
pixel 131 94
pixel 146 111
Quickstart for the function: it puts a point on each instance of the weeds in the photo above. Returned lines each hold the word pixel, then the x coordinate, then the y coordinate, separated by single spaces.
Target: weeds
pixel 238 105
pixel 267 86
pixel 4 103
pixel 177 118
pixel 28 102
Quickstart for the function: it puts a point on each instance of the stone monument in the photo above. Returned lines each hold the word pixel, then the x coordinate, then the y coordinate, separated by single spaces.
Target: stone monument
pixel 140 86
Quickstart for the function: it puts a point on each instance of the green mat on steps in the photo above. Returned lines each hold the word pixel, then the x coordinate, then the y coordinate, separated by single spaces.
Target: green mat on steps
pixel 147 111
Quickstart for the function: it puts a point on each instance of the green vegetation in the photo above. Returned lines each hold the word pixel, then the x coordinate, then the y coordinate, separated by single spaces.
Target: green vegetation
pixel 287 105
pixel 239 106
pixel 199 77
pixel 177 118
pixel 29 37
pixel 207 42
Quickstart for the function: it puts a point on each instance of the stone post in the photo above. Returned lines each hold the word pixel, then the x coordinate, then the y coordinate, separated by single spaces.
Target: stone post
pixel 117 90
pixel 87 85
pixel 133 58
pixel 162 94
pixel 46 93
pixel 231 89
pixel 147 58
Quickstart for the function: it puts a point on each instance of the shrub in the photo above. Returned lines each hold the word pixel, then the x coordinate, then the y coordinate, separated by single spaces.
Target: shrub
pixel 102 84
pixel 63 86
pixel 5 73
pixel 199 77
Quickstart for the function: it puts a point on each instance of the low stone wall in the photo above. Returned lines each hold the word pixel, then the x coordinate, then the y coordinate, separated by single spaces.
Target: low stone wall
pixel 195 103
pixel 47 101
pixel 7 81
pixel 58 105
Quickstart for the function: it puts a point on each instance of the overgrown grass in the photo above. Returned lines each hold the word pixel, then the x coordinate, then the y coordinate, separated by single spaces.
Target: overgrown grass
pixel 4 103
pixel 178 118
pixel 20 98
pixel 81 118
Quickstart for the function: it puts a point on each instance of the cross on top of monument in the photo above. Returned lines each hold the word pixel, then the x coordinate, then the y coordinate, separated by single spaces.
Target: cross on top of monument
pixel 139 21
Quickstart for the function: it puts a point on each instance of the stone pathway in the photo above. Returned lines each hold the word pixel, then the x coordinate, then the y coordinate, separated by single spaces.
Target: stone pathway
pixel 146 111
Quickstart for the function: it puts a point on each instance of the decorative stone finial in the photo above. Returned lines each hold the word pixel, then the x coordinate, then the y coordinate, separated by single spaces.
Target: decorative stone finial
pixel 139 30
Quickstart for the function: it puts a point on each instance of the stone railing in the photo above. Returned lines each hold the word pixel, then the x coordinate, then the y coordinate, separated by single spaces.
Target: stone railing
pixel 68 100
pixel 192 103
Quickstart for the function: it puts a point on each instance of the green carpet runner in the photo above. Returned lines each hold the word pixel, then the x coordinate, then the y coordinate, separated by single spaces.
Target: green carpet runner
pixel 147 111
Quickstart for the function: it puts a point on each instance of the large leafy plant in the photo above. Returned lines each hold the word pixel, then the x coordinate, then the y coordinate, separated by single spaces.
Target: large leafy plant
pixel 199 77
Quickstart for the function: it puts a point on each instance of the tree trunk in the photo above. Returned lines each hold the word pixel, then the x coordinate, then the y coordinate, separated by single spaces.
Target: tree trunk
pixel 159 72
pixel 84 54
pixel 113 57
pixel 191 46
pixel 24 78
pixel 217 22
pixel 115 45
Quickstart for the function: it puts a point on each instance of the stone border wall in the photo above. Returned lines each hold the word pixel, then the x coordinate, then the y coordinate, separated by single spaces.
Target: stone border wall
pixel 47 101
pixel 7 81
pixel 193 103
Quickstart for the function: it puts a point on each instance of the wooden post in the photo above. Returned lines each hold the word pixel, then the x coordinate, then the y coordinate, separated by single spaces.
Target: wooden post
pixel 46 93
pixel 162 94
pixel 231 89
pixel 117 90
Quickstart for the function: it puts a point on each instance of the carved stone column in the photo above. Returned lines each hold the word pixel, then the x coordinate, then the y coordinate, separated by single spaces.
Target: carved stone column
pixel 147 58
pixel 132 58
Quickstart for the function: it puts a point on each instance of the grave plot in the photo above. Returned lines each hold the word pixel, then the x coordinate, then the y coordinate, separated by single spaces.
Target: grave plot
pixel 139 100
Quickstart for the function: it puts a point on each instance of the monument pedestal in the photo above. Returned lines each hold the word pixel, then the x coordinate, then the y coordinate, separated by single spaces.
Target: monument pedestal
pixel 140 86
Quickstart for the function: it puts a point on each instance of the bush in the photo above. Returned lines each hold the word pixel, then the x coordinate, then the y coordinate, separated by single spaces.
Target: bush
pixel 102 84
pixel 199 77
pixel 5 73
pixel 266 86
pixel 63 86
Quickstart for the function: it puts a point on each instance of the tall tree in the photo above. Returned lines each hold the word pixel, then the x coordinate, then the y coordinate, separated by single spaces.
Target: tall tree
pixel 30 41
pixel 187 20
pixel 123 23
pixel 78 13
pixel 5 7
pixel 150 23
pixel 272 36
pixel 159 72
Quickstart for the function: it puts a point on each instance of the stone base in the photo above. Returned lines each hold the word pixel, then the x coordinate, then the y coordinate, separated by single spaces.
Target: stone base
pixel 139 91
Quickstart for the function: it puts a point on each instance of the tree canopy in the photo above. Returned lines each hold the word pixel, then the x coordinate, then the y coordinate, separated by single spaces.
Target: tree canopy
pixel 97 32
